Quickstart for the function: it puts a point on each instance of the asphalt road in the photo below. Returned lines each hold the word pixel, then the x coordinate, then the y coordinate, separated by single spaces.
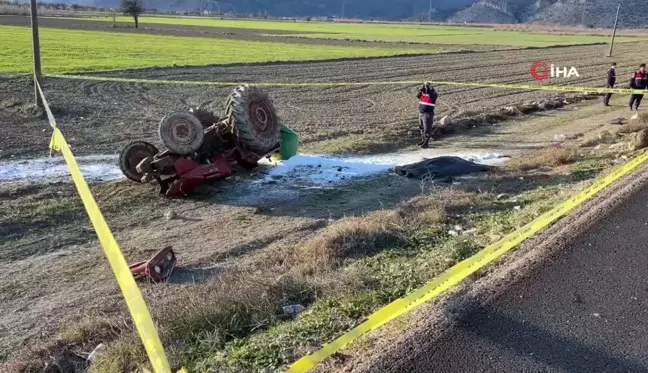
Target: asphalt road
pixel 585 310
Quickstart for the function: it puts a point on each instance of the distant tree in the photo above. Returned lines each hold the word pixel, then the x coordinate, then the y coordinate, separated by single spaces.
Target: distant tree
pixel 132 8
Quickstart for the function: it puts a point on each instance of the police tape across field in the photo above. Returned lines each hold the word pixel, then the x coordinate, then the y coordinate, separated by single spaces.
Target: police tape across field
pixel 520 87
pixel 134 300
pixel 451 277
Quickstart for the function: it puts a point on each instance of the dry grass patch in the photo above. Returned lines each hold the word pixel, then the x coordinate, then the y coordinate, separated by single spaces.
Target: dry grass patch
pixel 90 330
pixel 603 137
pixel 68 354
pixel 351 238
pixel 552 157
pixel 613 135
pixel 633 127
pixel 435 207
pixel 356 237
pixel 231 306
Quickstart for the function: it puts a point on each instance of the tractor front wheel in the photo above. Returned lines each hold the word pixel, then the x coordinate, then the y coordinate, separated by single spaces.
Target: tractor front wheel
pixel 132 155
pixel 181 132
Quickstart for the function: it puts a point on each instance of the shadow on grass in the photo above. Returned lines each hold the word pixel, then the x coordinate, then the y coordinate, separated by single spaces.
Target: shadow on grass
pixel 184 275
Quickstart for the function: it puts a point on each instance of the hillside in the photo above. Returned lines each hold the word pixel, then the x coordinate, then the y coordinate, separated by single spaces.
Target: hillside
pixel 484 12
pixel 594 13
pixel 378 9
pixel 591 13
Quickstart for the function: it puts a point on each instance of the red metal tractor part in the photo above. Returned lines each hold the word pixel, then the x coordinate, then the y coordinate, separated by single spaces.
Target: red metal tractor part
pixel 178 176
pixel 190 174
pixel 158 268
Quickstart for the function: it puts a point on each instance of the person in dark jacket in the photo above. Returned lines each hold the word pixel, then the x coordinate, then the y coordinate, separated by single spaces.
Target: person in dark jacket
pixel 611 81
pixel 427 97
pixel 639 81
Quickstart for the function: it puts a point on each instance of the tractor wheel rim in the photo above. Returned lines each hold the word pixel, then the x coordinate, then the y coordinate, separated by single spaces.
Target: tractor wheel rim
pixel 182 131
pixel 260 115
pixel 137 157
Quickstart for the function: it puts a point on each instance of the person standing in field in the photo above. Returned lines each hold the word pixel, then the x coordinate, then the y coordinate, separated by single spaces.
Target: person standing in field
pixel 611 81
pixel 427 97
pixel 639 81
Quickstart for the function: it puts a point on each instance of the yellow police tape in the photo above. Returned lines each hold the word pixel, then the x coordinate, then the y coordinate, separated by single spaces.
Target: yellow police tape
pixel 132 294
pixel 522 87
pixel 460 271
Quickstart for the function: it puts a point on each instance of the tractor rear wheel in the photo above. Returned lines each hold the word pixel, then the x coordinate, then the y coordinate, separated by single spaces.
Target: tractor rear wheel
pixel 253 119
pixel 132 155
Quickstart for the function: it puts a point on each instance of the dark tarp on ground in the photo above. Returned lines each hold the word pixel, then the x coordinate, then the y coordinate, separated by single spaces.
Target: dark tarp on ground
pixel 440 168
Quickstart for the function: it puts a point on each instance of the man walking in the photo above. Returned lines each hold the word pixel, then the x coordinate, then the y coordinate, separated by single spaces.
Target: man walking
pixel 611 81
pixel 639 81
pixel 427 96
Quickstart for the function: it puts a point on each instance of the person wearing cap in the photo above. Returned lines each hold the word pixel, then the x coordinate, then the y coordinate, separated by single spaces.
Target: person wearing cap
pixel 639 81
pixel 427 97
pixel 611 81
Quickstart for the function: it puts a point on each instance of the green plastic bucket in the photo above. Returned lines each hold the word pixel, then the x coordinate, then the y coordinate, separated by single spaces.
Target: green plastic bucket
pixel 289 144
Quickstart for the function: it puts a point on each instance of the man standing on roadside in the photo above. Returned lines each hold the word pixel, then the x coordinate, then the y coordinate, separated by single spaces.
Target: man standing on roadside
pixel 427 96
pixel 639 81
pixel 611 81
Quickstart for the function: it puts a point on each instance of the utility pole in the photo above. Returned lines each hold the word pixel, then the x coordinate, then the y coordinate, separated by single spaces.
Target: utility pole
pixel 343 6
pixel 36 49
pixel 430 13
pixel 616 21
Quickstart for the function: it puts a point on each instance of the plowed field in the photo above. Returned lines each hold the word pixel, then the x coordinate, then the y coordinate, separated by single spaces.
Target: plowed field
pixel 101 117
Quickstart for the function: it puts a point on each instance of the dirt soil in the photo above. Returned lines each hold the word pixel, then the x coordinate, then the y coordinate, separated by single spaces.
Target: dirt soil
pixel 101 117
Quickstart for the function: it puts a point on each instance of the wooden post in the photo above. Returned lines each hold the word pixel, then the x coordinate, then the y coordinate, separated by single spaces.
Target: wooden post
pixel 36 50
pixel 616 20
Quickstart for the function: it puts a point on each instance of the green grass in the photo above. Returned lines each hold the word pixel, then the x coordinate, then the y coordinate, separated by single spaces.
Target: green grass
pixel 77 50
pixel 434 34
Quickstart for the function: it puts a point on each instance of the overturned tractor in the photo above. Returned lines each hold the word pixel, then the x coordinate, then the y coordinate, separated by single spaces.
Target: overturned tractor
pixel 203 147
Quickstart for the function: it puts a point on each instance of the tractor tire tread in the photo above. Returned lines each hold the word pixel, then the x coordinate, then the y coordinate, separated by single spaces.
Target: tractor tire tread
pixel 239 119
